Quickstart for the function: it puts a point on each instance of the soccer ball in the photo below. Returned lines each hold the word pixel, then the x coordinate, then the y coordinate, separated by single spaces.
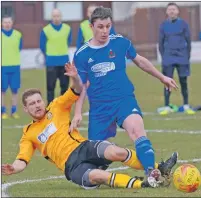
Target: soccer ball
pixel 187 178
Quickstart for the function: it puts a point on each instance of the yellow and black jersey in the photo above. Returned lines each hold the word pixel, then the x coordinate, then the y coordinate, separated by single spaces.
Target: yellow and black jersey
pixel 50 135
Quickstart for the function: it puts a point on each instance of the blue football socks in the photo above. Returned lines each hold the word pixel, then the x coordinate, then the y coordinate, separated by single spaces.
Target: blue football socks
pixel 13 109
pixel 3 109
pixel 145 153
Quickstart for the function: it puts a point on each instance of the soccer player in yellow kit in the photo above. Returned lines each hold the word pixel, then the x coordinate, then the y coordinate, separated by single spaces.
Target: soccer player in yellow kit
pixel 83 161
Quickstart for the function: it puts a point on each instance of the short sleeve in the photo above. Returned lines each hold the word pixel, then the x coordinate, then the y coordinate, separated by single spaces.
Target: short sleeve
pixel 131 51
pixel 81 68
pixel 26 149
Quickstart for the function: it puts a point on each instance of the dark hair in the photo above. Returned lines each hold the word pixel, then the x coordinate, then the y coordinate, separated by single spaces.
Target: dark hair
pixel 101 13
pixel 29 92
pixel 172 4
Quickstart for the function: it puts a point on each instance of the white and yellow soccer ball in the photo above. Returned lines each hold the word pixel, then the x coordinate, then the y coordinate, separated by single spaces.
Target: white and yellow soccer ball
pixel 187 178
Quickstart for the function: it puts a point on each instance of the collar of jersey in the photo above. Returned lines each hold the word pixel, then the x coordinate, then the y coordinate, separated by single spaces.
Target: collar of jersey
pixel 7 32
pixel 99 46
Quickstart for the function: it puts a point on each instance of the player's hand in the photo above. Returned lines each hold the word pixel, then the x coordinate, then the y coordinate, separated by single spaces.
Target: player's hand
pixel 7 169
pixel 70 70
pixel 75 122
pixel 169 83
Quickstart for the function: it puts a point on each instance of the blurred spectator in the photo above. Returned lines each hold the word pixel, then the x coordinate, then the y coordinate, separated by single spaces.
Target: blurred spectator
pixel 55 39
pixel 175 49
pixel 200 35
pixel 11 46
pixel 85 33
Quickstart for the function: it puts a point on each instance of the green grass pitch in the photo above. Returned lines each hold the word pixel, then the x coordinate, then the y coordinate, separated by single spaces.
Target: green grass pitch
pixel 149 93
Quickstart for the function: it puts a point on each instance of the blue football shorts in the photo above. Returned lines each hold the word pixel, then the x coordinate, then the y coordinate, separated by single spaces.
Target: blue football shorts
pixel 104 118
pixel 10 77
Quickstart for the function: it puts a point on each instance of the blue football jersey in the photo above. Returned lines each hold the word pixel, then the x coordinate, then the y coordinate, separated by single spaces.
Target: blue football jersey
pixel 105 68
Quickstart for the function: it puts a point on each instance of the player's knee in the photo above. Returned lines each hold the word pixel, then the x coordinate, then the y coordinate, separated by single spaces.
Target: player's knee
pixel 120 153
pixel 93 177
pixel 101 148
pixel 115 153
pixel 136 132
pixel 134 126
pixel 97 177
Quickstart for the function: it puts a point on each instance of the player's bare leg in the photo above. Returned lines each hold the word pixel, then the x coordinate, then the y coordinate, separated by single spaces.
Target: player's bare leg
pixel 134 125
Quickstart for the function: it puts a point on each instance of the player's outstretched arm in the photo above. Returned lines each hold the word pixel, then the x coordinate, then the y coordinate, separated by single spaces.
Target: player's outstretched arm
pixel 148 67
pixel 76 81
pixel 16 167
pixel 76 121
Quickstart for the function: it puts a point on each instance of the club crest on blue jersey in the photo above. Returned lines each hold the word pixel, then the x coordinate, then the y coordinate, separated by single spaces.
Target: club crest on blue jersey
pixel 111 54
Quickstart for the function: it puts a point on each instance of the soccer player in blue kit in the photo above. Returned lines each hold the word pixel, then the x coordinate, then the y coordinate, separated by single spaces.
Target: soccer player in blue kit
pixel 101 64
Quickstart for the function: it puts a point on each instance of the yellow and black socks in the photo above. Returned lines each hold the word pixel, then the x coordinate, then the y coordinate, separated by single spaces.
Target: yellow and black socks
pixel 133 161
pixel 116 180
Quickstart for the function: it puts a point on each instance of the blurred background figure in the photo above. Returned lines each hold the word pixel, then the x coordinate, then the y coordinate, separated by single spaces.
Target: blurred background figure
pixel 55 39
pixel 175 49
pixel 85 32
pixel 11 46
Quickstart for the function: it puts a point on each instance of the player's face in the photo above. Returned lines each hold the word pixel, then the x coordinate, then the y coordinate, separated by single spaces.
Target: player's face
pixel 56 17
pixel 35 106
pixel 101 30
pixel 7 23
pixel 172 12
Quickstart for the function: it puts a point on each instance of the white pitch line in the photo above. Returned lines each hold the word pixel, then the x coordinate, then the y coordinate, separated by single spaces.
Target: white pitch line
pixel 144 113
pixel 7 185
pixel 162 117
pixel 122 130
pixel 13 127
pixel 157 130
pixel 177 118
